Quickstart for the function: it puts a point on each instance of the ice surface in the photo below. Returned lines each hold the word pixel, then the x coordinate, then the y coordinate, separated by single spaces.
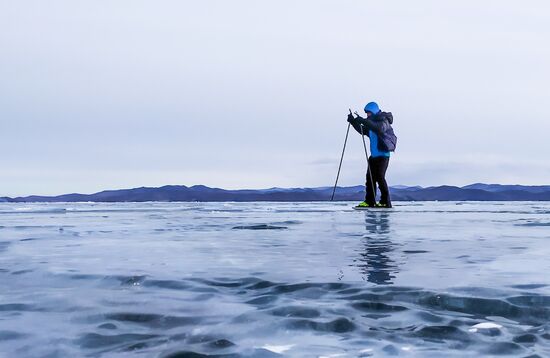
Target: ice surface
pixel 271 279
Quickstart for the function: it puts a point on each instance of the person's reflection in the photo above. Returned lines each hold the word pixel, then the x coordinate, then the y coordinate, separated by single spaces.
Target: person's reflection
pixel 375 262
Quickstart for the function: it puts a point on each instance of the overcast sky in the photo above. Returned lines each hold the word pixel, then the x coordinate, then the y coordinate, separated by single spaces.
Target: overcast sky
pixel 250 94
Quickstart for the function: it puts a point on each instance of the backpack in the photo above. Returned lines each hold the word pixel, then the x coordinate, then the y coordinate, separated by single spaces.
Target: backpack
pixel 388 140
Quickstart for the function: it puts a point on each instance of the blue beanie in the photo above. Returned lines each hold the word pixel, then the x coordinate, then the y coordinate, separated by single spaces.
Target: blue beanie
pixel 372 107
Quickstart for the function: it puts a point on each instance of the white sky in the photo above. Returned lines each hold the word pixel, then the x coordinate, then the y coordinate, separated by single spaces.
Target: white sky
pixel 249 94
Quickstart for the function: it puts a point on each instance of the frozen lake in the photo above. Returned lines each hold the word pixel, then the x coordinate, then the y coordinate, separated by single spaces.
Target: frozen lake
pixel 274 279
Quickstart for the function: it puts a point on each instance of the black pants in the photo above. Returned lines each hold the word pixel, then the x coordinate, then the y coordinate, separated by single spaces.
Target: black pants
pixel 377 167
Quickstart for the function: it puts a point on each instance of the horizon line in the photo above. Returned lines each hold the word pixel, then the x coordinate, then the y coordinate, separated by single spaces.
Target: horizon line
pixel 271 188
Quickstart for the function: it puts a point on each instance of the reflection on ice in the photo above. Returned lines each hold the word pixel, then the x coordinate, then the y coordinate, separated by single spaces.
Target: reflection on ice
pixel 375 261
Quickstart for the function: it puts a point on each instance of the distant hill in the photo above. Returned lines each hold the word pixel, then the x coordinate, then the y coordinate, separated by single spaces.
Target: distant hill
pixel 473 192
pixel 496 188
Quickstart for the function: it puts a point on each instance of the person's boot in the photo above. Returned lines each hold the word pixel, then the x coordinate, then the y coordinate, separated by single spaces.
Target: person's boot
pixel 364 204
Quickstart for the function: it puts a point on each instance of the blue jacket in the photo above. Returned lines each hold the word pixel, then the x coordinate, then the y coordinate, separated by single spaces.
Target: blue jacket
pixel 374 151
pixel 379 130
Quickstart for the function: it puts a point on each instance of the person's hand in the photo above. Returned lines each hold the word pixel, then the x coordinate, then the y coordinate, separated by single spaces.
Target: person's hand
pixel 350 118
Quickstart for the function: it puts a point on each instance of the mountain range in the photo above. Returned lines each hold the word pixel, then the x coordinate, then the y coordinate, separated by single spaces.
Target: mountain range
pixel 473 192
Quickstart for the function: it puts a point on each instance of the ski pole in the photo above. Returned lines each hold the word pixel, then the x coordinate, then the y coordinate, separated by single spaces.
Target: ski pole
pixel 368 164
pixel 341 159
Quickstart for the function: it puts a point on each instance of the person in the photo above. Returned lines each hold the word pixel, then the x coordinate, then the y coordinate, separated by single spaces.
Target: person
pixel 376 126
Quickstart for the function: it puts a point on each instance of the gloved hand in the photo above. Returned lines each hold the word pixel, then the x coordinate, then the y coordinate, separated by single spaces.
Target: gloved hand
pixel 350 118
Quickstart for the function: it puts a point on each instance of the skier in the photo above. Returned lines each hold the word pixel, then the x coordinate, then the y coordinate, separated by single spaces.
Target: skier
pixel 377 126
